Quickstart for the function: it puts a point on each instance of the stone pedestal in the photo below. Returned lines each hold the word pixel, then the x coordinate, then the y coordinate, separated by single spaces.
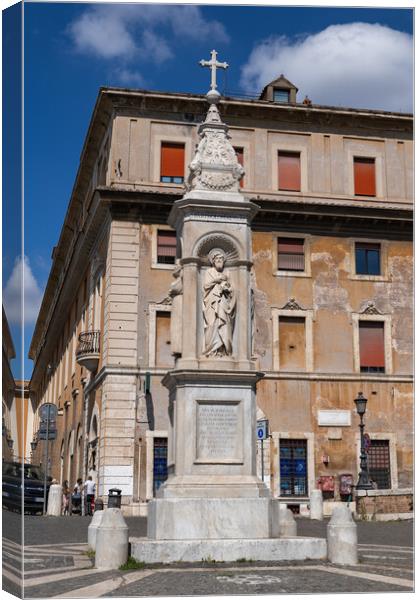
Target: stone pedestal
pixel 288 526
pixel 342 537
pixel 213 518
pixel 316 505
pixel 111 540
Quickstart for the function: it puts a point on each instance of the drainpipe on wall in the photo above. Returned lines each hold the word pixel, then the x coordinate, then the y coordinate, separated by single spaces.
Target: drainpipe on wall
pixel 85 454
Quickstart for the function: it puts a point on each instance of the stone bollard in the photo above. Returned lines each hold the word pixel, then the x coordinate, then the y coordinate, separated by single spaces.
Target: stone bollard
pixel 111 540
pixel 316 505
pixel 55 500
pixel 288 526
pixel 342 537
pixel 93 528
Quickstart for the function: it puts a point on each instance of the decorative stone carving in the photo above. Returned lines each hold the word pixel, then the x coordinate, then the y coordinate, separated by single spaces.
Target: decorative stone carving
pixel 370 309
pixel 291 304
pixel 215 165
pixel 175 294
pixel 219 305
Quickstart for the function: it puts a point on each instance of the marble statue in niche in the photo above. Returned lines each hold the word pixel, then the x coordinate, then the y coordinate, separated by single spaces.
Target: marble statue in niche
pixel 219 307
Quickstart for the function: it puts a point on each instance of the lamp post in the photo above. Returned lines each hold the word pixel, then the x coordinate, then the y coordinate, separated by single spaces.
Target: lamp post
pixel 364 482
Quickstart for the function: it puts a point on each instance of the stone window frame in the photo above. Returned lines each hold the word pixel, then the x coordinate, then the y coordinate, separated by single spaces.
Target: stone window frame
pixel 153 309
pixel 293 435
pixel 298 147
pixel 306 252
pixel 393 462
pixel 155 264
pixel 308 315
pixel 379 157
pixel 387 321
pixel 158 139
pixel 384 247
pixel 150 435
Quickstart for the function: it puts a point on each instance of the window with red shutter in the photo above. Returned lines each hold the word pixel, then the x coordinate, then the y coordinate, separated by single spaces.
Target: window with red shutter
pixel 289 171
pixel 371 345
pixel 364 176
pixel 291 256
pixel 166 246
pixel 240 156
pixel 172 161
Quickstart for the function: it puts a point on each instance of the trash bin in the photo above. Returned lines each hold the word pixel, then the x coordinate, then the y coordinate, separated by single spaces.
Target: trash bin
pixel 114 498
pixel 99 504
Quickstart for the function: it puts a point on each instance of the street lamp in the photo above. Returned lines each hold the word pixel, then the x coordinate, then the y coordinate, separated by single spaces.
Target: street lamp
pixel 364 482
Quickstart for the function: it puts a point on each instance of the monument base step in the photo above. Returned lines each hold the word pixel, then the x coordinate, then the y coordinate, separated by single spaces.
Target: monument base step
pixel 275 549
pixel 213 518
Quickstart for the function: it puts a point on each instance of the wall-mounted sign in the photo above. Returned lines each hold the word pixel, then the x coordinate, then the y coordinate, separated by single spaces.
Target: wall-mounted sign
pixel 334 418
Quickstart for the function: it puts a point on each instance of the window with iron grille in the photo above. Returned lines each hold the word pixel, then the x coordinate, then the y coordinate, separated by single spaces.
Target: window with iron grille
pixel 368 258
pixel 379 466
pixel 166 247
pixel 160 462
pixel 293 468
pixel 291 254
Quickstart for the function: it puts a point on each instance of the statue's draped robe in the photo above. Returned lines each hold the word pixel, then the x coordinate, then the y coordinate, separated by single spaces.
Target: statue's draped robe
pixel 219 313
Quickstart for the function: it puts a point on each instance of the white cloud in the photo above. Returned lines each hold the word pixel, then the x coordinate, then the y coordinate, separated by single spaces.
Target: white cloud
pixel 357 65
pixel 22 276
pixel 128 77
pixel 128 30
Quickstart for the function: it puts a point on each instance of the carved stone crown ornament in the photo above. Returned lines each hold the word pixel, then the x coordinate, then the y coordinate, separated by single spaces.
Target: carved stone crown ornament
pixel 215 165
pixel 291 304
pixel 370 309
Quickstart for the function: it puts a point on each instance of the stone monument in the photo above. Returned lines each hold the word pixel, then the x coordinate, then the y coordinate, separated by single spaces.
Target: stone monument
pixel 212 496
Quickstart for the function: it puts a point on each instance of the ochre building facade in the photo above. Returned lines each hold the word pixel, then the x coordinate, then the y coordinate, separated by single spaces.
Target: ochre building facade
pixel 332 288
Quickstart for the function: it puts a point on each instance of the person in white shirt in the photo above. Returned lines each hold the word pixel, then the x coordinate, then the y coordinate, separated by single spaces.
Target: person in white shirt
pixel 90 494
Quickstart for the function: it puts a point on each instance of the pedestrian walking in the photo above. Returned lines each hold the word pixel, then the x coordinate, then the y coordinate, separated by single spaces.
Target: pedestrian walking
pixel 77 496
pixel 90 494
pixel 66 498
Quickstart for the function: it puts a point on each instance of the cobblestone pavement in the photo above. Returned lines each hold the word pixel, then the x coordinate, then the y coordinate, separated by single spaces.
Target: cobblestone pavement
pixel 63 569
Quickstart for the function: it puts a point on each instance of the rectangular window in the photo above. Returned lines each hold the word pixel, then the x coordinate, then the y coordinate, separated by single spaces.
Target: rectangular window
pixel 240 156
pixel 163 356
pixel 293 468
pixel 166 247
pixel 371 342
pixel 172 161
pixel 364 176
pixel 289 171
pixel 281 95
pixel 368 258
pixel 160 462
pixel 292 344
pixel 291 255
pixel 379 464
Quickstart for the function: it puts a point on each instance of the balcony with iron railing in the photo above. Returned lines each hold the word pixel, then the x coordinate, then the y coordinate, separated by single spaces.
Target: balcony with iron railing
pixel 88 349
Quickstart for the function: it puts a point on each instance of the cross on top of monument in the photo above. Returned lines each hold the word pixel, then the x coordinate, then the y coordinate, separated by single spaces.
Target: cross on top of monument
pixel 213 95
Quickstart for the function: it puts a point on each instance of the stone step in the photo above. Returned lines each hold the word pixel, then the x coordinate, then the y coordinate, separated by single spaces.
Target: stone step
pixel 228 550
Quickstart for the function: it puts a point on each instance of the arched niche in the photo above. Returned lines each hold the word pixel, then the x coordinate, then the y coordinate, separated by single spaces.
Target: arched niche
pixel 225 242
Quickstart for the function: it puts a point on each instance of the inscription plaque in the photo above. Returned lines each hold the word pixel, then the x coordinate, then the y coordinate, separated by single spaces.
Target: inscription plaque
pixel 219 431
pixel 334 418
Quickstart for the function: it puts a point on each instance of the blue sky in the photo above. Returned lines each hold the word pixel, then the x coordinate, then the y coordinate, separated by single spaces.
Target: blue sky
pixel 351 57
